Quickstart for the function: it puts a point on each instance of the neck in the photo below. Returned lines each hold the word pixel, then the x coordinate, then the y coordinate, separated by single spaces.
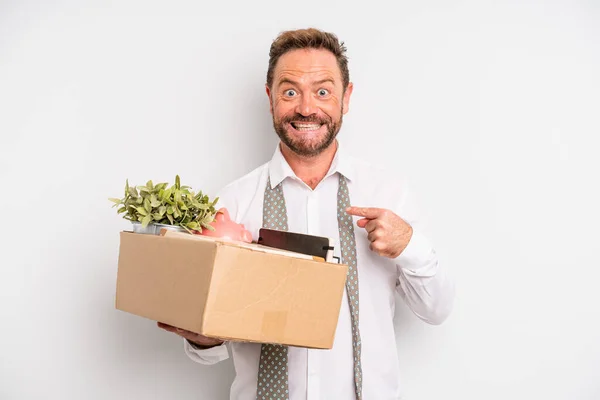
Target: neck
pixel 311 170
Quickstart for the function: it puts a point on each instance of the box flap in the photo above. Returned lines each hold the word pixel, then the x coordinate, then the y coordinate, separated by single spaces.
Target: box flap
pixel 249 246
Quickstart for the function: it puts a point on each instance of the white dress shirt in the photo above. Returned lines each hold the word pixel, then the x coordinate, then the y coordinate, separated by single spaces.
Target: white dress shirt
pixel 416 275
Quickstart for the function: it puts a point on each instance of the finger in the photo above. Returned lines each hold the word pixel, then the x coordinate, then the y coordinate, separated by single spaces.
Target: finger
pixel 374 247
pixel 180 332
pixel 188 335
pixel 165 326
pixel 372 225
pixel 174 329
pixel 362 222
pixel 367 212
pixel 374 235
pixel 371 237
pixel 377 246
pixel 171 329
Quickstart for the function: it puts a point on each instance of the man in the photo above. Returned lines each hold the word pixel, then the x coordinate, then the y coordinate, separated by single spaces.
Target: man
pixel 322 189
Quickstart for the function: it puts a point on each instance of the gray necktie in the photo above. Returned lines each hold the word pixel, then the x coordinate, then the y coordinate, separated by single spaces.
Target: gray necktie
pixel 272 371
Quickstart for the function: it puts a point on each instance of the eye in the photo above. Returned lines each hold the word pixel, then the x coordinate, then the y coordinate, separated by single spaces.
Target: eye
pixel 290 93
pixel 323 92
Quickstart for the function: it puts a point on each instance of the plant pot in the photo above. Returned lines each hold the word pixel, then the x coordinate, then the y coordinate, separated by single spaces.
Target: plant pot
pixel 154 229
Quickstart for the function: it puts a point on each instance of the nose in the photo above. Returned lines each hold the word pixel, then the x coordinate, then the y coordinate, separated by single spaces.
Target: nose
pixel 306 106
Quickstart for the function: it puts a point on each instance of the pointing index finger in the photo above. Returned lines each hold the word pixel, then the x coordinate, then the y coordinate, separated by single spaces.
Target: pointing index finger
pixel 366 212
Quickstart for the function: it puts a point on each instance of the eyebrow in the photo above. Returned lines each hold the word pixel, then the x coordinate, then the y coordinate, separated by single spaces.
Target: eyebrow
pixel 325 81
pixel 288 81
pixel 291 82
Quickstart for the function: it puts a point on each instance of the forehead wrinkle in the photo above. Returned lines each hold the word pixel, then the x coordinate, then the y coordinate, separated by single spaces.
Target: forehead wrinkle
pixel 318 75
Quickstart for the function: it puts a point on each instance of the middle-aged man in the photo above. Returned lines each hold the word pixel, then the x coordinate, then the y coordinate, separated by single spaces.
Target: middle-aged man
pixel 321 188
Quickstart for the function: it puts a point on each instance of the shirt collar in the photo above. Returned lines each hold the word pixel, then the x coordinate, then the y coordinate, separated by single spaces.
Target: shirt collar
pixel 279 169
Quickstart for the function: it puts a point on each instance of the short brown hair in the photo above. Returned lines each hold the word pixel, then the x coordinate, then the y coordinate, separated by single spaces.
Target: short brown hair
pixel 310 38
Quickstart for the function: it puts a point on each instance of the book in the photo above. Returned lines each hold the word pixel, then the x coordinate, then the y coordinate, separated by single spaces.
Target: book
pixel 317 246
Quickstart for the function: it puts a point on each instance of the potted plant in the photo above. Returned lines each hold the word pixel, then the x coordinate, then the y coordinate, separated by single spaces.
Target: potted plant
pixel 152 207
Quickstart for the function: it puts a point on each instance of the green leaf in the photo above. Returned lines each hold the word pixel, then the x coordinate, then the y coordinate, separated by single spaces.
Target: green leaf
pixel 142 210
pixel 146 220
pixel 177 205
pixel 187 229
pixel 167 194
pixel 154 202
pixel 208 219
pixel 209 227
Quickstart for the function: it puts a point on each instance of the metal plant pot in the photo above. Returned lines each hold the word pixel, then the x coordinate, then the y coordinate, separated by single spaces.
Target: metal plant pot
pixel 154 229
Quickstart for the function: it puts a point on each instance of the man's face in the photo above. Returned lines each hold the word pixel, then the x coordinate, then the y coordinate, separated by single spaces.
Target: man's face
pixel 308 100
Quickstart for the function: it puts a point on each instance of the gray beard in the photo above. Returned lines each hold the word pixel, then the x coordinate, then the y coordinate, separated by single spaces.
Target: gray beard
pixel 302 148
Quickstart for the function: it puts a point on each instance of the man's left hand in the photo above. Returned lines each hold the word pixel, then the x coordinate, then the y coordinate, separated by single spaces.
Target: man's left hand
pixel 388 233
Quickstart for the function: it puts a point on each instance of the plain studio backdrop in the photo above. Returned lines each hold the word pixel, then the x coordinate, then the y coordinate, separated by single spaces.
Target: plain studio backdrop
pixel 490 108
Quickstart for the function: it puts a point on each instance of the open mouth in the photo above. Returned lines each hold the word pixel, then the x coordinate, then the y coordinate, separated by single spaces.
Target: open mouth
pixel 306 126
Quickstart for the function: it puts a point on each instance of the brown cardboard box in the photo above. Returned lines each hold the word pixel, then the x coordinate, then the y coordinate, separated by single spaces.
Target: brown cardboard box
pixel 232 291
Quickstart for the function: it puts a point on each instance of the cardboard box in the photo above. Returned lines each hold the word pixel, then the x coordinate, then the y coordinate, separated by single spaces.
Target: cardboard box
pixel 229 290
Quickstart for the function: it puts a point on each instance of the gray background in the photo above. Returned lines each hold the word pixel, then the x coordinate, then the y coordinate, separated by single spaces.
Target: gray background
pixel 490 108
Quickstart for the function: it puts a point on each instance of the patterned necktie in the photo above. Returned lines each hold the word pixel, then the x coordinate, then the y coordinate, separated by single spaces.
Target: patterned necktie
pixel 272 381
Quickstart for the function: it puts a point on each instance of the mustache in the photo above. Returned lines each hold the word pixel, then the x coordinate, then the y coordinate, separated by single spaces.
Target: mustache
pixel 302 118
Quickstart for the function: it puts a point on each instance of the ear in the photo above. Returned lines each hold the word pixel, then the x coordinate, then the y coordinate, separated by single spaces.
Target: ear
pixel 269 96
pixel 346 99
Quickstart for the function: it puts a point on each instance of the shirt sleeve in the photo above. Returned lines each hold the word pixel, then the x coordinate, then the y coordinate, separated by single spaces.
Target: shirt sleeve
pixel 209 356
pixel 424 283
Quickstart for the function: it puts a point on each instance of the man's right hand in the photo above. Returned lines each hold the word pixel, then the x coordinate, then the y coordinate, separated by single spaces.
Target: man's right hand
pixel 194 338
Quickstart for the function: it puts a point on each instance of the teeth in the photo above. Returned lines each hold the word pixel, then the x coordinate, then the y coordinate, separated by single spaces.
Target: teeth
pixel 307 127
